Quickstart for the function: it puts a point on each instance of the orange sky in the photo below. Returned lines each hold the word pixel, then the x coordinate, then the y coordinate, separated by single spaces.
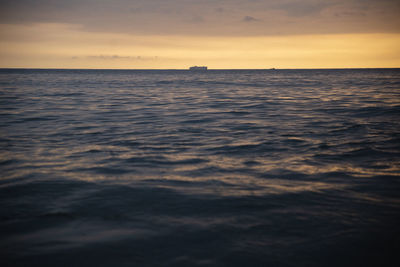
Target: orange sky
pixel 176 34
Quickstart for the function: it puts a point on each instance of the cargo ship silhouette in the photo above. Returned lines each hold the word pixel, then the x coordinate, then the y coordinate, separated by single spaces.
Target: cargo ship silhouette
pixel 198 68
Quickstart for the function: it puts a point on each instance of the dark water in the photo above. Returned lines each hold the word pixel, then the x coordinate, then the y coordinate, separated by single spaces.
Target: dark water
pixel 216 168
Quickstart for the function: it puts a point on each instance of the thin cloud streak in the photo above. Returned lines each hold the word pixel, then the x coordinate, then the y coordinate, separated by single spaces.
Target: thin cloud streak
pixel 117 57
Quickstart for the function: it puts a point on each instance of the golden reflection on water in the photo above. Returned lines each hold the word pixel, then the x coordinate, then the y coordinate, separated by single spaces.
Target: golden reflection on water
pixel 218 174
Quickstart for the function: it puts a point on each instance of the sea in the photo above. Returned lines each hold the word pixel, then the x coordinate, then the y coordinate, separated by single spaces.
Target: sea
pixel 200 168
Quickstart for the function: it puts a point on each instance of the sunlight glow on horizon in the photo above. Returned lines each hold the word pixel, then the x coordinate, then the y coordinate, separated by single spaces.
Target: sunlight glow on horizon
pixel 55 45
pixel 223 34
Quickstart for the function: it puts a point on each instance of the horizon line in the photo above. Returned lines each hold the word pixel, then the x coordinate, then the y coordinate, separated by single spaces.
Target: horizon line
pixel 272 68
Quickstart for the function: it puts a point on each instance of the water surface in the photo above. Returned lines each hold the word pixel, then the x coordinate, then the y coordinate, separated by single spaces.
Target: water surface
pixel 216 168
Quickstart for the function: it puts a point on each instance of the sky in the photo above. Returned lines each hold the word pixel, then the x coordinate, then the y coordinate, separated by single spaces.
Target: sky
pixel 221 34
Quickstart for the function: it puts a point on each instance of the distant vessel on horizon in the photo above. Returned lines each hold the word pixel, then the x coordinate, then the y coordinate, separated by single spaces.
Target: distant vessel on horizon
pixel 196 68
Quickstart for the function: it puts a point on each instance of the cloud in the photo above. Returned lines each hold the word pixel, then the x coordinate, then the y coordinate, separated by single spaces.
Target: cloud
pixel 249 19
pixel 209 17
pixel 196 19
pixel 347 14
pixel 304 8
pixel 118 57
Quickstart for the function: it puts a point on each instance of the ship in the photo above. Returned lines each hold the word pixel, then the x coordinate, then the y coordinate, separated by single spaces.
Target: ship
pixel 198 68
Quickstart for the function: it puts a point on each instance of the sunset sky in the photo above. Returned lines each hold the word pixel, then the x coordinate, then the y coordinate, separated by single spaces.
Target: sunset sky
pixel 176 34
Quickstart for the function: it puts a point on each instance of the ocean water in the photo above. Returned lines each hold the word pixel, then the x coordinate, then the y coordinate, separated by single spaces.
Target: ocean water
pixel 216 168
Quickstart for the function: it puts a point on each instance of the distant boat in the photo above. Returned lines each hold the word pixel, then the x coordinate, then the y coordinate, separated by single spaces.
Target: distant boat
pixel 196 68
